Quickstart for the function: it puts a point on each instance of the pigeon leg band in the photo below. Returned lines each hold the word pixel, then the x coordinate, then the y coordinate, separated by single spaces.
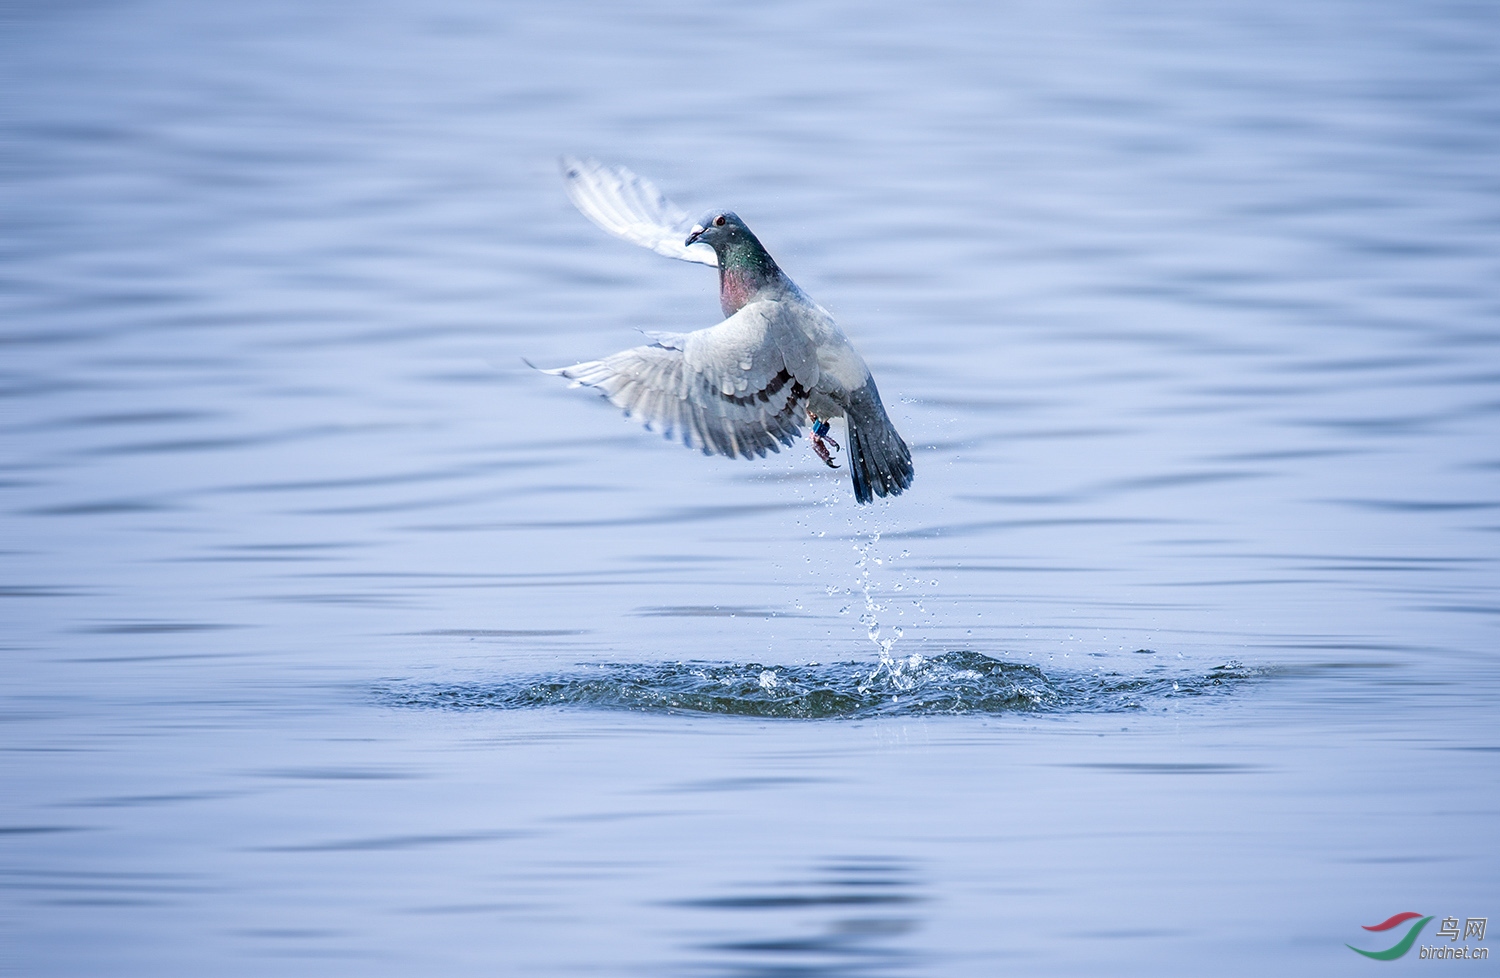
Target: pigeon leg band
pixel 820 432
pixel 821 441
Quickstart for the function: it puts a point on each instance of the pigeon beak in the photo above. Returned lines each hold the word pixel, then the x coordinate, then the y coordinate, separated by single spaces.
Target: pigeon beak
pixel 697 233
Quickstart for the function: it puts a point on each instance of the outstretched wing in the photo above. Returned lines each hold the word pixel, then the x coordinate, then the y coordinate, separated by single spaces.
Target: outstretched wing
pixel 736 389
pixel 631 207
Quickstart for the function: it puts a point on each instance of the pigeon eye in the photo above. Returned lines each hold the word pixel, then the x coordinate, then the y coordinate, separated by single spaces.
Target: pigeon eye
pixel 719 221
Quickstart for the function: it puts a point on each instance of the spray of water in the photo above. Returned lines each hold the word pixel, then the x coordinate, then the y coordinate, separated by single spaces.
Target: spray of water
pixel 896 673
pixel 881 594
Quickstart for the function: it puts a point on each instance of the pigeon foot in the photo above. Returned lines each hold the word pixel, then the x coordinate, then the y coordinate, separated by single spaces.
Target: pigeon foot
pixel 821 441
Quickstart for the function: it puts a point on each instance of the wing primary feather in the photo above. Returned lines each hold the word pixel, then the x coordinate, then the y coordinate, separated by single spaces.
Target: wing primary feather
pixel 722 390
pixel 631 207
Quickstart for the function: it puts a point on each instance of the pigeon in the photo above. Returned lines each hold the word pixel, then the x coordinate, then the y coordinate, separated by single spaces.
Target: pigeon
pixel 777 362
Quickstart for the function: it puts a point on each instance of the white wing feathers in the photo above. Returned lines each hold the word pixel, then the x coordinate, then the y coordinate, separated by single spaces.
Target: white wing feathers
pixel 738 389
pixel 632 208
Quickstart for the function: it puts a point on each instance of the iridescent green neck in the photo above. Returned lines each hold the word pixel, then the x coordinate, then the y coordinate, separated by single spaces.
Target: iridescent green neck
pixel 745 270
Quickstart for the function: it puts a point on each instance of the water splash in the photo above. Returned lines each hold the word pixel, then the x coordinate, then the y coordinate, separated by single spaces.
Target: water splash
pixel 880 595
pixel 900 674
pixel 953 683
pixel 871 616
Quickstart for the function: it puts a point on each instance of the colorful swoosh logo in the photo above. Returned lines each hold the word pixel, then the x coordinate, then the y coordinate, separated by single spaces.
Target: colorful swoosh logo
pixel 1401 946
pixel 1390 922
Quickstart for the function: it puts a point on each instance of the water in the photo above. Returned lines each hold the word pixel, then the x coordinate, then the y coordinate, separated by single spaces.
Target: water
pixel 951 684
pixel 337 641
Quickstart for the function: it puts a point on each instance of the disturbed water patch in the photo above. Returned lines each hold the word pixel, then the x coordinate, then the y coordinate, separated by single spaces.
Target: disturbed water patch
pixel 950 683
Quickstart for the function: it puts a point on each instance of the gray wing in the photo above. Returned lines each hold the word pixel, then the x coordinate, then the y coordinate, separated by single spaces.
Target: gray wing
pixel 632 208
pixel 736 389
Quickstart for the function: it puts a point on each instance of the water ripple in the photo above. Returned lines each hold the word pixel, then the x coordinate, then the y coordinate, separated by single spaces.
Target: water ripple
pixel 951 683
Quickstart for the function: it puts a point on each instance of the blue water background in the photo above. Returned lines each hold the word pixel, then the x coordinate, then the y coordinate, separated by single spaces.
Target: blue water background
pixel 1191 314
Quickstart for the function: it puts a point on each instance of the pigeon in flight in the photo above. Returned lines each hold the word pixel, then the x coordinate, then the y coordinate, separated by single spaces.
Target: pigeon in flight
pixel 777 361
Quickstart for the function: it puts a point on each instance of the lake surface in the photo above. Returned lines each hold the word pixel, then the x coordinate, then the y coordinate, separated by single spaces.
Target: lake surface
pixel 337 641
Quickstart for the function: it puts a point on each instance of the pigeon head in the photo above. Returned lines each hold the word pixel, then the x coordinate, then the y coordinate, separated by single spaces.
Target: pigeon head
pixel 735 244
pixel 745 268
pixel 720 230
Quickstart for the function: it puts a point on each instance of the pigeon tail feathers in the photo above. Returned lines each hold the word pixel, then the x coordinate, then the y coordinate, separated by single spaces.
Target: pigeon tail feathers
pixel 879 461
